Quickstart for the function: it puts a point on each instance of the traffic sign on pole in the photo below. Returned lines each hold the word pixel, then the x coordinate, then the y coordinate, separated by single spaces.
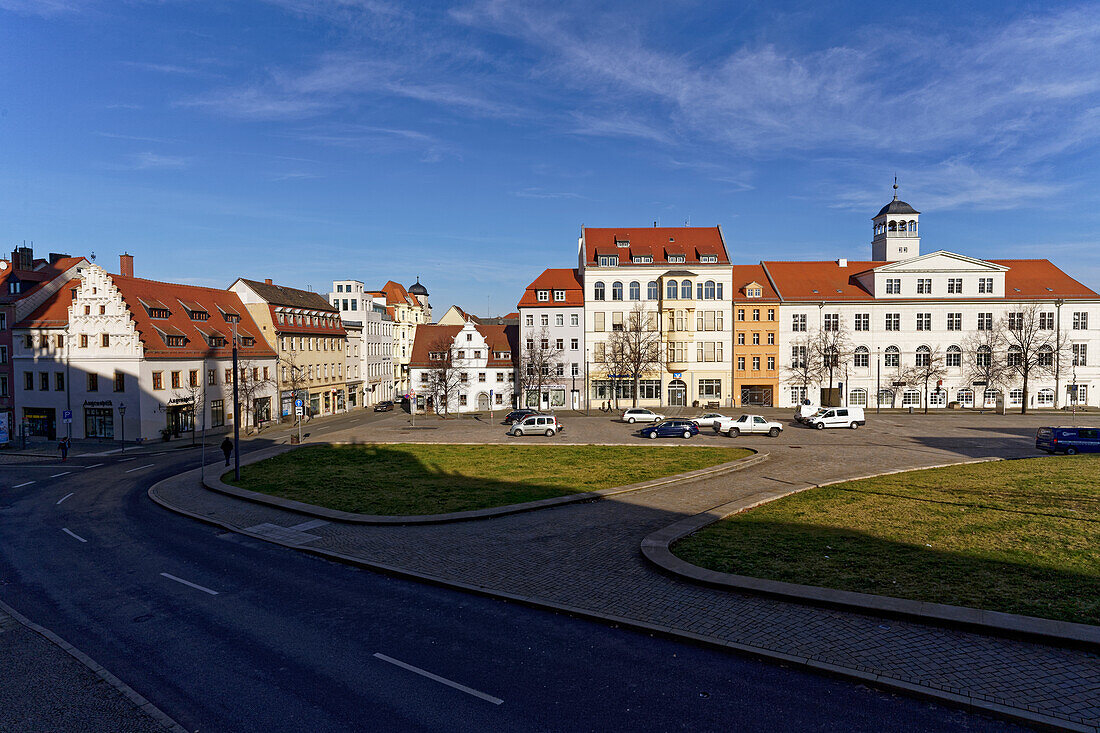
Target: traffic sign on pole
pixel 67 416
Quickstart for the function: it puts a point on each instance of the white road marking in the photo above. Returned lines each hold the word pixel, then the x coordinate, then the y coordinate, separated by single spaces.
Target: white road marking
pixel 311 524
pixel 123 460
pixel 437 678
pixel 63 473
pixel 19 486
pixel 94 465
pixel 139 468
pixel 69 532
pixel 190 584
pixel 66 496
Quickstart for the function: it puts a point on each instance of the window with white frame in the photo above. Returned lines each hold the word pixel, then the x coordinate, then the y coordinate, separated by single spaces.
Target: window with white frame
pixel 635 290
pixel 798 357
pixel 1015 357
pixel 1045 397
pixel 893 321
pixel 1080 355
pixel 953 358
pixel 923 356
pixel 574 319
pixel 1077 394
pixel 559 296
pixel 798 321
pixel 985 285
pixel 598 292
pixel 924 286
pixel 954 285
pixel 574 344
pixel 710 388
pixel 893 286
pixel 954 321
pixel 1016 396
pixel 559 319
pixel 529 320
pixel 862 321
pixel 1046 356
pixel 1046 321
pixel 892 357
pixel 965 397
pixel 616 290
pixel 910 398
pixel 924 321
pixel 674 259
pixel 1015 321
pixel 857 397
pixel 708 259
pixel 544 320
pixel 608 260
pixel 985 321
pixel 983 358
pixel 832 322
pixel 862 357
pixel 1080 321
pixel 798 395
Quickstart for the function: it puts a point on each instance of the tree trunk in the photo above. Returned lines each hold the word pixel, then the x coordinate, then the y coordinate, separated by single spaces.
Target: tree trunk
pixel 1023 402
pixel 634 403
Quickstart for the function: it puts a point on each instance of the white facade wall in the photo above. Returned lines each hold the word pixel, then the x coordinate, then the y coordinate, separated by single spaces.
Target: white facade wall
pixel 564 325
pixel 482 388
pixel 376 346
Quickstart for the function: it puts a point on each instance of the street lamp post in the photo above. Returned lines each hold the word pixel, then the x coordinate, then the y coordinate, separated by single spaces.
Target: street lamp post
pixel 878 380
pixel 122 423
pixel 236 411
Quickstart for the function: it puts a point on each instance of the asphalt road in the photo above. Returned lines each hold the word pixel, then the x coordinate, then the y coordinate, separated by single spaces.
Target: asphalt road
pixel 228 633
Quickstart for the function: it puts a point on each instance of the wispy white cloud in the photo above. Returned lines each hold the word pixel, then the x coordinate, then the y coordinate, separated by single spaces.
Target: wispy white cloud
pixel 148 161
pixel 252 103
pixel 540 193
pixel 139 138
pixel 44 8
pixel 167 68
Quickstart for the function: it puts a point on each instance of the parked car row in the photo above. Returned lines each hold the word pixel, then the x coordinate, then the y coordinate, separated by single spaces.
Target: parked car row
pixel 531 422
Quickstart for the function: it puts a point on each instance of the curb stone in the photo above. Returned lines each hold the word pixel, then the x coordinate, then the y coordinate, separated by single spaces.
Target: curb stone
pixel 128 692
pixel 656 548
pixel 980 704
pixel 215 484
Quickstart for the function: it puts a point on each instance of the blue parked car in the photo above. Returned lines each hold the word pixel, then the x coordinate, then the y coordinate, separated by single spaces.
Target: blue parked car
pixel 670 429
pixel 1068 440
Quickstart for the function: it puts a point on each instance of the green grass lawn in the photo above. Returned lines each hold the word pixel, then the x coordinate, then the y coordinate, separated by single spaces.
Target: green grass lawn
pixel 433 479
pixel 1017 536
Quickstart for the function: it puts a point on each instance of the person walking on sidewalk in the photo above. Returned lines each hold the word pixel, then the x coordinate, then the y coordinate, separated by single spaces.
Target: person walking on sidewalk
pixel 63 448
pixel 227 449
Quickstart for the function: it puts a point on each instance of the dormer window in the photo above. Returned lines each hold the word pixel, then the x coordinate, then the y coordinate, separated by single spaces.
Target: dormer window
pixel 216 341
pixel 198 315
pixel 608 261
pixel 642 259
pixel 708 258
pixel 677 259
pixel 173 340
pixel 559 296
pixel 753 292
pixel 622 242
pixel 543 296
pixel 248 341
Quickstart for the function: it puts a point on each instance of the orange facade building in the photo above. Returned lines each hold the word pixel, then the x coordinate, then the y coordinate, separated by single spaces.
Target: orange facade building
pixel 756 360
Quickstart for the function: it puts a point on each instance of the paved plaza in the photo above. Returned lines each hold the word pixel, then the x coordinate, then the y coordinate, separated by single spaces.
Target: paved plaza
pixel 586 558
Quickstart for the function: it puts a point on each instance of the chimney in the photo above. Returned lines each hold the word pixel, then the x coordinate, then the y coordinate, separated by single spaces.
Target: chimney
pixel 267 281
pixel 55 256
pixel 842 262
pixel 22 258
pixel 126 265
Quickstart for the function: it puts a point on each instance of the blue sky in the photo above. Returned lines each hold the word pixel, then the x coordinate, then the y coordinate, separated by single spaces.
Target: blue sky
pixel 308 140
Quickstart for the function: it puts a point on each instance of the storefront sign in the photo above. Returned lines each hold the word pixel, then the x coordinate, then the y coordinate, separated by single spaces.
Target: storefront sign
pixel 5 430
pixel 97 403
pixel 181 401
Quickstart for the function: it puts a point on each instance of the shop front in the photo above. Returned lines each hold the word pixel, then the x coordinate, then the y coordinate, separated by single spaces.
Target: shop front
pixel 180 414
pixel 261 410
pixel 99 419
pixel 40 422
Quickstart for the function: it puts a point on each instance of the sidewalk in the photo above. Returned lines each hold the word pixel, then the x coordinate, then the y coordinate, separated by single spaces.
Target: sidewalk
pixel 46 688
pixel 585 559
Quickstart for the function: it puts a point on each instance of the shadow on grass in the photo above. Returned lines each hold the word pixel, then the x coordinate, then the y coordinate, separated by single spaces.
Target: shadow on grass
pixel 391 479
pixel 1009 579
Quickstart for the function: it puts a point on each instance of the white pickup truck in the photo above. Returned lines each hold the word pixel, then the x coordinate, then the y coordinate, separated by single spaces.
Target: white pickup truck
pixel 749 424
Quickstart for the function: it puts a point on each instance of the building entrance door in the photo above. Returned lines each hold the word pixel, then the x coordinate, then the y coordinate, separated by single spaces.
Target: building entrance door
pixel 677 393
pixel 756 396
pixel 483 402
pixel 40 422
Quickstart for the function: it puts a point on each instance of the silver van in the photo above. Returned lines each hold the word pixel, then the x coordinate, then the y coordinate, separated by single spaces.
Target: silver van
pixel 535 425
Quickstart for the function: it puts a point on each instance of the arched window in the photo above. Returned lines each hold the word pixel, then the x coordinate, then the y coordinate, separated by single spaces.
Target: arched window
pixel 893 357
pixel 653 290
pixel 965 397
pixel 913 226
pixel 599 291
pixel 984 356
pixel 924 356
pixel 1046 359
pixel 1015 356
pixel 937 397
pixel 910 398
pixel 635 290
pixel 616 290
pixel 954 356
pixel 893 226
pixel 708 290
pixel 685 289
pixel 1016 396
pixel 862 357
pixel 671 289
pixel 885 397
pixel 990 397
pixel 1045 397
pixel 857 397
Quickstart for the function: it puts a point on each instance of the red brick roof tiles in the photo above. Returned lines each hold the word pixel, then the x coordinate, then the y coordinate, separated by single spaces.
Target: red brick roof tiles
pixel 656 242
pixel 550 280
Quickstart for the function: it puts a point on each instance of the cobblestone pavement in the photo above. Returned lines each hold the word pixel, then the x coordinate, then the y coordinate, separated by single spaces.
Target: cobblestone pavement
pixel 586 556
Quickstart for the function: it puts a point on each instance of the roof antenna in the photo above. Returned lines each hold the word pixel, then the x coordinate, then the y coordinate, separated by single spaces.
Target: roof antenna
pixel 895 187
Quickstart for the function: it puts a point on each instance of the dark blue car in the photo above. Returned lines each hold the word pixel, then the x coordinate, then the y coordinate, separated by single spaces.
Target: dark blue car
pixel 670 429
pixel 1068 440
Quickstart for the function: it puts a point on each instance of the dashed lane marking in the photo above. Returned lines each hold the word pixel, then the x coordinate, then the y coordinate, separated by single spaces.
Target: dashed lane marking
pixel 94 465
pixel 25 483
pixel 123 460
pixel 437 678
pixel 150 465
pixel 73 534
pixel 66 496
pixel 189 584
pixel 63 473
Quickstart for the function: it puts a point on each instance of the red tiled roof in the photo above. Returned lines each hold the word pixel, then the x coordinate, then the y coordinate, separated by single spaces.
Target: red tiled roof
pixel 55 312
pixel 498 338
pixel 396 293
pixel 33 279
pixel 557 278
pixel 745 274
pixel 657 242
pixel 820 280
pixel 318 329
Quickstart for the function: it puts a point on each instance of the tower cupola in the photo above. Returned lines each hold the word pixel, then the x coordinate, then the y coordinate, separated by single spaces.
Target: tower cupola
pixel 896 233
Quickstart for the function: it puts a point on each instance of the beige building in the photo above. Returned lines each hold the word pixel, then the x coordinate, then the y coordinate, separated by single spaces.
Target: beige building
pixel 409 308
pixel 307 334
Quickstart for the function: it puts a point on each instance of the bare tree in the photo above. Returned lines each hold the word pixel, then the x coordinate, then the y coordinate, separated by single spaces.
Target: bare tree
pixel 831 348
pixel 928 366
pixel 444 375
pixel 1034 348
pixel 540 361
pixel 984 359
pixel 195 393
pixel 635 351
pixel 252 382
pixel 296 380
pixel 805 367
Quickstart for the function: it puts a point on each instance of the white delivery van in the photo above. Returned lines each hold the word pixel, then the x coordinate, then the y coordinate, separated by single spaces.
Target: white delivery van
pixel 838 417
pixel 803 412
